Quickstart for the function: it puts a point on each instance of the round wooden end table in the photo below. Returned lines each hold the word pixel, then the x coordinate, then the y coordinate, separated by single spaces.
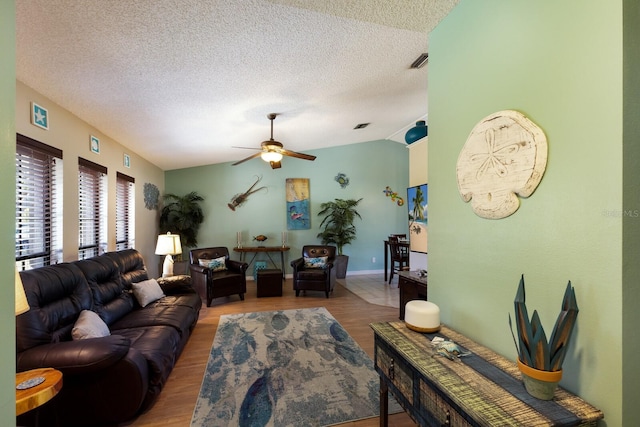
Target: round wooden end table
pixel 39 394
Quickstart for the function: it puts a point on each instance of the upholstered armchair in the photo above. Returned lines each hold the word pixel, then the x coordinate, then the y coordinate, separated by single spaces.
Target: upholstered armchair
pixel 214 275
pixel 314 270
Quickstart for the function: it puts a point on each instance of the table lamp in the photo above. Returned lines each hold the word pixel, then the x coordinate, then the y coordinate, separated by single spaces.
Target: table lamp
pixel 169 245
pixel 22 306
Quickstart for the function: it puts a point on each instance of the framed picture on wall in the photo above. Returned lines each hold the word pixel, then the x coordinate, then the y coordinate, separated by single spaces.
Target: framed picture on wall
pixel 298 202
pixel 417 198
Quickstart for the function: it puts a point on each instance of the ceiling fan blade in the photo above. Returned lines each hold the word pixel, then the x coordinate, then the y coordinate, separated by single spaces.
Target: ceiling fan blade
pixel 297 155
pixel 246 148
pixel 275 165
pixel 253 156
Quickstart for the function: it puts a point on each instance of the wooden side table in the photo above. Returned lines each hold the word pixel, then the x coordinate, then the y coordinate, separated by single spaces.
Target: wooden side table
pixel 40 394
pixel 411 287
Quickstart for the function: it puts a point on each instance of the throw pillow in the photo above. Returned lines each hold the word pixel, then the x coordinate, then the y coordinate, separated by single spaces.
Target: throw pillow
pixel 204 262
pixel 147 291
pixel 218 264
pixel 89 325
pixel 317 262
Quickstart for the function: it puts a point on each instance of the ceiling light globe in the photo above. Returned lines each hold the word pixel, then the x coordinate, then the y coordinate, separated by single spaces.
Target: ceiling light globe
pixel 271 156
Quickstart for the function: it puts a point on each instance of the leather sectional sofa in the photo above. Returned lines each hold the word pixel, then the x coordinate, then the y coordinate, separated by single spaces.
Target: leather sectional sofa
pixel 110 379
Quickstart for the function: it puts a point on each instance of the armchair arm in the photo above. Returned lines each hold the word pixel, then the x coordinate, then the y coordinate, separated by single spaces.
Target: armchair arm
pixel 197 268
pixel 297 263
pixel 238 266
pixel 76 357
pixel 176 285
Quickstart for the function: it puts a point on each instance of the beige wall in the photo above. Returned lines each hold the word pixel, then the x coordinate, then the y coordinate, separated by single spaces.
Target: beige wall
pixel 70 134
pixel 418 174
pixel 418 168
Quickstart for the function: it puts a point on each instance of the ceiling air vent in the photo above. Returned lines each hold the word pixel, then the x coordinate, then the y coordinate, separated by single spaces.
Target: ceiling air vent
pixel 420 61
pixel 362 125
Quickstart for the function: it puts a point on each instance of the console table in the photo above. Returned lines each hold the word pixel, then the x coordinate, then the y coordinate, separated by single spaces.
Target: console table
pixel 482 389
pixel 266 249
pixel 411 287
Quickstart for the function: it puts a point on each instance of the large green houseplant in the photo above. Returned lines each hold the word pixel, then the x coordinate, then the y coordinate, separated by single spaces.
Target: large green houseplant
pixel 182 215
pixel 337 227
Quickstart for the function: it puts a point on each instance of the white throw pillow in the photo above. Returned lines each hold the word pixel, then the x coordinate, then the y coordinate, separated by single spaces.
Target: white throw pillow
pixel 89 325
pixel 147 291
pixel 218 264
pixel 317 262
pixel 204 262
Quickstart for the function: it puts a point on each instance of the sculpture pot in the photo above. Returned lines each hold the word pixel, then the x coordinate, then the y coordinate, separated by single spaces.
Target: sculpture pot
pixel 539 384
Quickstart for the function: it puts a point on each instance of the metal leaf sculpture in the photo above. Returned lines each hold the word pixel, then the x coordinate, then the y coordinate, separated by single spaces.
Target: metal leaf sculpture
pixel 532 346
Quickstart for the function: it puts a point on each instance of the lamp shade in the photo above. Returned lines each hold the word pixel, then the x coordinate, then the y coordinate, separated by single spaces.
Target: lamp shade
pixel 271 156
pixel 419 131
pixel 168 244
pixel 22 305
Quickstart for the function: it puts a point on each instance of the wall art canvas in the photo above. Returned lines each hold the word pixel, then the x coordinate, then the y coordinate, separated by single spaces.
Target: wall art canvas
pixel 417 198
pixel 94 144
pixel 39 116
pixel 298 204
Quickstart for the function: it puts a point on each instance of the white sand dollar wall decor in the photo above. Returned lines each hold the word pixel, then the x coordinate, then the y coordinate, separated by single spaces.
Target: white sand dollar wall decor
pixel 504 157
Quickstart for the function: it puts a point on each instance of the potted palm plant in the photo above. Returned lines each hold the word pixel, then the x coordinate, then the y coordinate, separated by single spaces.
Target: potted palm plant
pixel 337 227
pixel 182 215
pixel 539 360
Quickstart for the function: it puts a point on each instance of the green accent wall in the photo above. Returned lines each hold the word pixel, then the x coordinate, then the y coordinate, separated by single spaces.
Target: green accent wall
pixel 631 223
pixel 560 64
pixel 370 167
pixel 7 209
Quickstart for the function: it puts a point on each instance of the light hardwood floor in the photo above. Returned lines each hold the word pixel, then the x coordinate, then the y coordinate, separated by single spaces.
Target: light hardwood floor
pixel 174 406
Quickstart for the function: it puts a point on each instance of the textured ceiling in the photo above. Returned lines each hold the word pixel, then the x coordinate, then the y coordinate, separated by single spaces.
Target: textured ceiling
pixel 180 82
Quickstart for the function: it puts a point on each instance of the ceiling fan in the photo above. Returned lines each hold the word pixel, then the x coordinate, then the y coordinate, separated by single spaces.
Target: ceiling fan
pixel 272 151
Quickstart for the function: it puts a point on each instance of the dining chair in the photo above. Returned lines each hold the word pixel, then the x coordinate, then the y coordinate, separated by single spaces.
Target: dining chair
pixel 399 255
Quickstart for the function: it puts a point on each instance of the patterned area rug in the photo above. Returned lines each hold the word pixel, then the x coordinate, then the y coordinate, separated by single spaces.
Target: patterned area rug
pixel 286 368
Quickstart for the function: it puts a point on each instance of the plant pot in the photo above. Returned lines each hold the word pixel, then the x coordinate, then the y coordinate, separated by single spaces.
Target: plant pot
pixel 539 384
pixel 340 264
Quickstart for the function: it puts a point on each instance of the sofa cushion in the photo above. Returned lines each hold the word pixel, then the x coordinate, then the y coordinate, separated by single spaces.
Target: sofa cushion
pixel 110 300
pixel 89 325
pixel 178 317
pixel 160 347
pixel 56 295
pixel 131 266
pixel 147 292
pixel 312 274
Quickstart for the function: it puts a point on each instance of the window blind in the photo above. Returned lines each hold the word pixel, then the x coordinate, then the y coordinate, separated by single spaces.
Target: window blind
pixel 125 208
pixel 38 204
pixel 92 208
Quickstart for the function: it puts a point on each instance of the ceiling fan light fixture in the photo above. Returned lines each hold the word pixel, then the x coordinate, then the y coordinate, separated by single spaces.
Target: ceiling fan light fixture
pixel 271 156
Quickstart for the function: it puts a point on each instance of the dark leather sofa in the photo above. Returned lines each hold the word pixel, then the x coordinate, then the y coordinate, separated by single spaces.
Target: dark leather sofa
pixel 111 379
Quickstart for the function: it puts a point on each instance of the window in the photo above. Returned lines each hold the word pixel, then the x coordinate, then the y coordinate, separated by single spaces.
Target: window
pixel 125 210
pixel 92 207
pixel 38 204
